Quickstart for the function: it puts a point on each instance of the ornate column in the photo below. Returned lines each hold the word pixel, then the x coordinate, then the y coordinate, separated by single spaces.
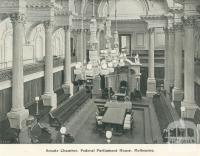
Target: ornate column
pixel 151 82
pixel 177 92
pixel 80 45
pixel 49 97
pixel 170 55
pixel 169 58
pixel 166 81
pixel 67 86
pixel 189 99
pixel 85 43
pixel 18 113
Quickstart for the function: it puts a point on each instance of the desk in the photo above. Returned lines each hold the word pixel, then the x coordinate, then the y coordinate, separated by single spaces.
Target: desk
pixel 117 104
pixel 120 94
pixel 114 116
pixel 102 101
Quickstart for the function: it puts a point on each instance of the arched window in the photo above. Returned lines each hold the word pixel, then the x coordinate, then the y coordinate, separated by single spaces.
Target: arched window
pixel 8 49
pixel 37 40
pixel 6 37
pixel 58 43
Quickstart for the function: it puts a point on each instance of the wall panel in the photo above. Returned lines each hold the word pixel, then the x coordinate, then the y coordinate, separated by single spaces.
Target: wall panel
pixel 32 89
pixel 197 93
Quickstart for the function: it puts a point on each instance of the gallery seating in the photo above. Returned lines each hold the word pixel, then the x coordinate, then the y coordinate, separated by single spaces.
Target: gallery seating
pixel 58 116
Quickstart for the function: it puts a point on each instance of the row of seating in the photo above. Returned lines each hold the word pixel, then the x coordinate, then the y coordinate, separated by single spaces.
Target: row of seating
pixel 58 116
pixel 163 111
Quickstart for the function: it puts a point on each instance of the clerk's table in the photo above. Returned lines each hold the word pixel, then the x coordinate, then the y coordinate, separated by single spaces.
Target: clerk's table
pixel 117 104
pixel 114 116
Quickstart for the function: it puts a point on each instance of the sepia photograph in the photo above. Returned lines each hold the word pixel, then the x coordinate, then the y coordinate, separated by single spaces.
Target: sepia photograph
pixel 99 72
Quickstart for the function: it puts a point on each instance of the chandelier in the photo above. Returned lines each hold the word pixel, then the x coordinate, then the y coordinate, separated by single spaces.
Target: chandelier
pixel 104 62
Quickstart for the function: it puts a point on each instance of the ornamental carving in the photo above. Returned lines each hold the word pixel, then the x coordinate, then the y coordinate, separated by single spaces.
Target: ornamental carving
pixel 5 75
pixel 151 30
pixel 48 25
pixel 67 28
pixel 17 18
pixel 189 21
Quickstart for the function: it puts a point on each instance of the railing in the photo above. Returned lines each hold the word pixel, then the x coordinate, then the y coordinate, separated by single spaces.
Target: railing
pixel 36 66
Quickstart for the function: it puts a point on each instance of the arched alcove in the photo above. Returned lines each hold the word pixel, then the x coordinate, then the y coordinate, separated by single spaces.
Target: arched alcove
pixel 6 39
pixel 58 43
pixel 37 40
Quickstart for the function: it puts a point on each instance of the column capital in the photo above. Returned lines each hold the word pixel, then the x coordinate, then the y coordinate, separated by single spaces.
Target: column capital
pixel 79 31
pixel 17 18
pixel 168 29
pixel 67 28
pixel 48 25
pixel 151 30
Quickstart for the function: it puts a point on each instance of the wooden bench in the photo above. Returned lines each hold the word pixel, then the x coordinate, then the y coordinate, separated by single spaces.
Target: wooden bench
pixel 58 116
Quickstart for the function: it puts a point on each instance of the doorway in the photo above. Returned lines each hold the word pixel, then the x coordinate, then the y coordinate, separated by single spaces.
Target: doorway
pixel 125 43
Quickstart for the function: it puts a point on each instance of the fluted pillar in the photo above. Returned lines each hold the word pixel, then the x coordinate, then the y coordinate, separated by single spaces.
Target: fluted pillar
pixel 80 45
pixel 170 56
pixel 189 95
pixel 49 97
pixel 85 43
pixel 18 113
pixel 67 86
pixel 177 93
pixel 151 82
pixel 166 80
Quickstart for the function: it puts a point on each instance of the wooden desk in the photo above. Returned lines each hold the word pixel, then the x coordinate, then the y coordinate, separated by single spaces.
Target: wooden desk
pixel 120 94
pixel 117 104
pixel 114 116
pixel 102 101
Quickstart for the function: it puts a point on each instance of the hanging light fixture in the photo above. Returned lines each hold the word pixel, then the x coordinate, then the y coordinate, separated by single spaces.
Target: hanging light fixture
pixel 116 38
pixel 108 35
pixel 93 29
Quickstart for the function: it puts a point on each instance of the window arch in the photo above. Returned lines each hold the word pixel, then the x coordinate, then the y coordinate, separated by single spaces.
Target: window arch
pixel 6 38
pixel 58 43
pixel 37 40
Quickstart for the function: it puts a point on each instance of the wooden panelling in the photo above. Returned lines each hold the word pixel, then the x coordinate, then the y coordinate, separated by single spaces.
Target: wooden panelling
pixel 58 79
pixel 31 90
pixel 5 102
